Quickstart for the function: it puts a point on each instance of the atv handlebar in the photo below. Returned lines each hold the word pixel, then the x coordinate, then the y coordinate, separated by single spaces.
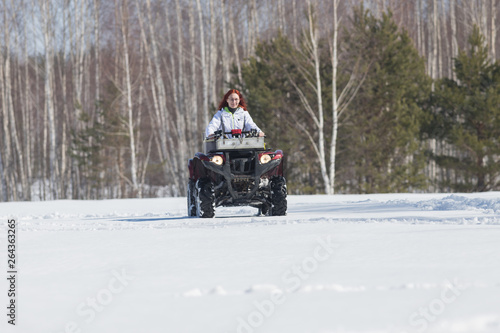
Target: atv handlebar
pixel 235 133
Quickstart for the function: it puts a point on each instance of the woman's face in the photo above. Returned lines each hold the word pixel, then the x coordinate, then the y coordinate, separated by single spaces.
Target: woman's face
pixel 233 100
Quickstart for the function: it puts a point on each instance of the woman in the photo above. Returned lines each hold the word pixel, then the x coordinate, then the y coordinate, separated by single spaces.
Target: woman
pixel 232 114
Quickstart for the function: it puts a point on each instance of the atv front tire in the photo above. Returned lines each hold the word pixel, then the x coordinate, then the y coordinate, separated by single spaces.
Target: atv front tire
pixel 191 200
pixel 205 198
pixel 278 196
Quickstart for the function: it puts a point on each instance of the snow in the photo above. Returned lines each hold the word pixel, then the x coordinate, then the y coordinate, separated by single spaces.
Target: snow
pixel 346 263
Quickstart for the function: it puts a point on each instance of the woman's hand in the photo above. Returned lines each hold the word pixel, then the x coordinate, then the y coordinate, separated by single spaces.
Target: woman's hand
pixel 262 134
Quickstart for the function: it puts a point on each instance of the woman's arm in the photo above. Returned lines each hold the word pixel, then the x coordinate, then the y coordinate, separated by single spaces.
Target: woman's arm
pixel 214 124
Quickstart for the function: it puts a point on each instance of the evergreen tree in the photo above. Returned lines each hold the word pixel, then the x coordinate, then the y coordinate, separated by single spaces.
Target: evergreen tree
pixel 466 115
pixel 380 150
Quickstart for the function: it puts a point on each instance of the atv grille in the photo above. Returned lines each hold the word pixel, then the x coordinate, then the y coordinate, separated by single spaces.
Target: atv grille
pixel 242 185
pixel 242 165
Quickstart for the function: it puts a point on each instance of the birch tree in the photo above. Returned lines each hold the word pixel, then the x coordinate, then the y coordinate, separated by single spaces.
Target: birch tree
pixel 493 29
pixel 47 20
pixel 124 23
pixel 313 79
pixel 4 144
pixel 203 63
pixel 3 183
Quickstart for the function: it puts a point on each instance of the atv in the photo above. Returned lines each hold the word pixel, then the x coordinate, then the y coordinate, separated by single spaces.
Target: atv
pixel 236 170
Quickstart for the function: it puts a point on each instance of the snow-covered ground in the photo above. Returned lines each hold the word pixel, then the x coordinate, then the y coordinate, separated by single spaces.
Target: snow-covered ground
pixel 346 263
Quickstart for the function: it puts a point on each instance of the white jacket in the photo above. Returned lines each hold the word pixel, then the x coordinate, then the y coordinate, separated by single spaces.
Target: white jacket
pixel 241 119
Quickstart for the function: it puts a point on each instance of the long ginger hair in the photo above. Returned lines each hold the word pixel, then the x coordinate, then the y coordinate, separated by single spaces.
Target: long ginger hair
pixel 223 102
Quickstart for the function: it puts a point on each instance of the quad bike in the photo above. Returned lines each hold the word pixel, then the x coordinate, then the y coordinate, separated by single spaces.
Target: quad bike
pixel 236 170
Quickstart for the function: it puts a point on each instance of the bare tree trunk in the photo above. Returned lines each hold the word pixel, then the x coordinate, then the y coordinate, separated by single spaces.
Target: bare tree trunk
pixel 203 64
pixel 213 53
pixel 439 49
pixel 193 117
pixel 61 58
pixel 249 29
pixel 3 184
pixel 484 19
pixel 128 94
pixel 226 58
pixel 313 50
pixel 5 147
pixel 47 18
pixel 181 110
pixel 97 78
pixel 493 30
pixel 182 78
pixel 420 28
pixel 294 23
pixel 434 33
pixel 454 42
pixel 335 118
pixel 27 114
pixel 235 43
pixel 333 145
pixel 6 169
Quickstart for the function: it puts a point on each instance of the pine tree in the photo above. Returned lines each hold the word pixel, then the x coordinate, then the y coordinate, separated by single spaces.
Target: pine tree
pixel 466 115
pixel 380 149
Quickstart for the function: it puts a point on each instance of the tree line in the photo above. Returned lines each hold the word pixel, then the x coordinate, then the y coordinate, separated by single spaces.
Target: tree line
pixel 109 99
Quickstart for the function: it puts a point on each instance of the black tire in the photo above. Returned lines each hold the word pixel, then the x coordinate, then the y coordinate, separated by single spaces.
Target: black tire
pixel 191 199
pixel 264 209
pixel 205 198
pixel 278 196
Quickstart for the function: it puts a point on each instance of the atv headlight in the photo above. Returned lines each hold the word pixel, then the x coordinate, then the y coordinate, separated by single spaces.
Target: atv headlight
pixel 265 159
pixel 217 160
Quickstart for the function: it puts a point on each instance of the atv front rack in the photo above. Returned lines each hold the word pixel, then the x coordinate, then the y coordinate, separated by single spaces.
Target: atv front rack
pixel 222 144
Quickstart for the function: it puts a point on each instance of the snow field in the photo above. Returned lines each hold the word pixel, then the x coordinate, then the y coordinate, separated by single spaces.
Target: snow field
pixel 344 263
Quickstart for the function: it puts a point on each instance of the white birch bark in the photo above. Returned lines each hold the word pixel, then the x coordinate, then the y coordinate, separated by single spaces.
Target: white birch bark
pixel 203 64
pixel 128 95
pixel 181 110
pixel 454 39
pixel 28 115
pixel 235 43
pixel 294 23
pixel 193 116
pixel 213 53
pixel 438 44
pixel 434 49
pixel 281 17
pixel 493 30
pixel 420 31
pixel 47 19
pixel 226 55
pixel 335 118
pixel 97 79
pixel 314 54
pixel 3 183
pixel 484 19
pixel 252 32
pixel 4 145
pixel 182 77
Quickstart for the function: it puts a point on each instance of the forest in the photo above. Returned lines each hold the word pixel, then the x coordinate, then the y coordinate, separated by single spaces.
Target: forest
pixel 108 99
